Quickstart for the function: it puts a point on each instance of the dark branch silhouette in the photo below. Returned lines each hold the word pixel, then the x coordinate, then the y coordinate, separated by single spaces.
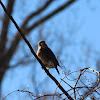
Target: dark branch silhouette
pixel 27 42
pixel 5 25
pixel 26 30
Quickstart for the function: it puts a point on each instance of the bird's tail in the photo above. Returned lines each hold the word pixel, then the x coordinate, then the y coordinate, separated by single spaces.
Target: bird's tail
pixel 57 70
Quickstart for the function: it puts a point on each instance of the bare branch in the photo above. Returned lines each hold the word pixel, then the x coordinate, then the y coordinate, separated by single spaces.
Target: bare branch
pixel 67 4
pixel 26 31
pixel 58 95
pixel 23 62
pixel 91 89
pixel 27 42
pixel 95 84
pixel 79 77
pixel 67 83
pixel 20 91
pixel 5 25
pixel 30 93
pixel 36 13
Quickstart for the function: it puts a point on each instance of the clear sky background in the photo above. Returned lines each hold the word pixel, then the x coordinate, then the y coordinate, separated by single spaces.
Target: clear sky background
pixel 78 26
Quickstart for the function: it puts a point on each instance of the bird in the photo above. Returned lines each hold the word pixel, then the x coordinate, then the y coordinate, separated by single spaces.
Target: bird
pixel 46 56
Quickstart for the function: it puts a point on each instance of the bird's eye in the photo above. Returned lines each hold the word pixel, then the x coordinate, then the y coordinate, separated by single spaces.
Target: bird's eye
pixel 42 43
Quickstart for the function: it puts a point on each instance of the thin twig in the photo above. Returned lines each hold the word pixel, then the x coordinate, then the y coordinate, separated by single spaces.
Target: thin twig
pixel 46 95
pixel 77 82
pixel 66 83
pixel 95 84
pixel 20 91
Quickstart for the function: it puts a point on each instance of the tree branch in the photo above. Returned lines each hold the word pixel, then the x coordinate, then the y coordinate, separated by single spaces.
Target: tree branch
pixel 36 13
pixel 67 4
pixel 97 83
pixel 5 25
pixel 27 42
pixel 30 93
pixel 8 55
pixel 26 31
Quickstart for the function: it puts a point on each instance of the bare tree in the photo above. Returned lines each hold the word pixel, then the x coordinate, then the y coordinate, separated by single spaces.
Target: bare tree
pixel 76 92
pixel 6 54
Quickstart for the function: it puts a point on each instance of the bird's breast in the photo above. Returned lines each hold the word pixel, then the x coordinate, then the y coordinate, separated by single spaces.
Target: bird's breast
pixel 50 64
pixel 45 60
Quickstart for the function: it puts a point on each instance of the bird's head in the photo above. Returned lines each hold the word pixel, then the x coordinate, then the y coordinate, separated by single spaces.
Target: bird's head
pixel 42 44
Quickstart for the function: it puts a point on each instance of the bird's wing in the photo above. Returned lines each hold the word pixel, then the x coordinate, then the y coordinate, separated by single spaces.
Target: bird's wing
pixel 50 55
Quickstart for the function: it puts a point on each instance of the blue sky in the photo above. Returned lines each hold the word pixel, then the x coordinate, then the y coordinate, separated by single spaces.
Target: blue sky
pixel 78 25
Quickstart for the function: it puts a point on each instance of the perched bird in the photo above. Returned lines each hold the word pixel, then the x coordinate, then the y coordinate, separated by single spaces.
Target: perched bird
pixel 47 56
